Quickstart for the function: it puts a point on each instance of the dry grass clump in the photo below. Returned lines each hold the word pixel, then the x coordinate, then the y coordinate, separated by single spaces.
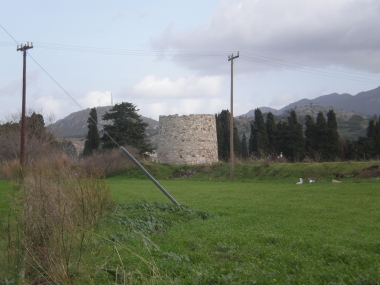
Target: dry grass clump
pixel 108 162
pixel 11 170
pixel 61 204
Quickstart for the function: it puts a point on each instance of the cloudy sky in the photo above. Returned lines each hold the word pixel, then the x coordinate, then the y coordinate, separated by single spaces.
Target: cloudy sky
pixel 171 57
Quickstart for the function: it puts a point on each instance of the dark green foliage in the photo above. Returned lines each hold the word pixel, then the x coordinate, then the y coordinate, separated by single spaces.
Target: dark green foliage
pixel 258 140
pixel 272 135
pixel 311 136
pixel 244 148
pixel 282 136
pixel 294 141
pixel 352 150
pixel 322 137
pixel 333 140
pixel 127 129
pixel 373 137
pixel 237 143
pixel 223 136
pixel 92 142
pixel 151 218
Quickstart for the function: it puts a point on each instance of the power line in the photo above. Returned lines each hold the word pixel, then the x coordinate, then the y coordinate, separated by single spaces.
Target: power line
pixel 297 64
pixel 271 61
pixel 60 86
pixel 316 72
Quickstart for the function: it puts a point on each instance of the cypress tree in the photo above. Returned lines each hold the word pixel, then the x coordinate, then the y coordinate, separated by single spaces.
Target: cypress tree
pixel 294 148
pixel 244 148
pixel 92 142
pixel 237 143
pixel 322 137
pixel 272 134
pixel 282 137
pixel 333 134
pixel 372 145
pixel 311 136
pixel 259 138
pixel 223 136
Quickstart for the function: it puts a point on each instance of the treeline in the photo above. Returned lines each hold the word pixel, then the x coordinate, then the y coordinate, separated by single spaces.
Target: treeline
pixel 318 141
pixel 38 140
pixel 126 128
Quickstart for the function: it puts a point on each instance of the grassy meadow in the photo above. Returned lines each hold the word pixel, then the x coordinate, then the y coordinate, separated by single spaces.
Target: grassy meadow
pixel 260 229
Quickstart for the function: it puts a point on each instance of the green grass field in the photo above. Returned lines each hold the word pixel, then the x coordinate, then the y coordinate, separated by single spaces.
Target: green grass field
pixel 260 229
pixel 259 233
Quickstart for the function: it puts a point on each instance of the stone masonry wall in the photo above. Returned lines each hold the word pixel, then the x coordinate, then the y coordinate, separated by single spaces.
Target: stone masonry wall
pixel 187 139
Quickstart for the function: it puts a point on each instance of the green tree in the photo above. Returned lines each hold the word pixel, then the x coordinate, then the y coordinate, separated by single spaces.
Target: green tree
pixel 372 144
pixel 244 147
pixel 92 142
pixel 237 143
pixel 272 135
pixel 311 136
pixel 127 129
pixel 258 139
pixel 322 137
pixel 223 136
pixel 333 134
pixel 294 143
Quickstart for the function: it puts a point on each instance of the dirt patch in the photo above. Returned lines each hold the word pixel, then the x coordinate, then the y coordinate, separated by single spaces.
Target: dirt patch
pixel 371 171
pixel 182 173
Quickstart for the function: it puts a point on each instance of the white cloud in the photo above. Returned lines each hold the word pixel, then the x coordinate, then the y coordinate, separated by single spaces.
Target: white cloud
pixel 12 88
pixel 323 33
pixel 190 87
pixel 95 98
pixel 182 107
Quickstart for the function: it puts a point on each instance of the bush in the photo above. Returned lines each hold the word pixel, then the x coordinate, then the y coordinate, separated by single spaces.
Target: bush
pixel 109 162
pixel 61 204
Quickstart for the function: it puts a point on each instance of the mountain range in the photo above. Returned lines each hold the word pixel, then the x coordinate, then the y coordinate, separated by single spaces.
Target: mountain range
pixel 366 103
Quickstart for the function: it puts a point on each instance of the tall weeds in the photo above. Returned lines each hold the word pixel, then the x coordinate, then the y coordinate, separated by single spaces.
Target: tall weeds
pixel 61 203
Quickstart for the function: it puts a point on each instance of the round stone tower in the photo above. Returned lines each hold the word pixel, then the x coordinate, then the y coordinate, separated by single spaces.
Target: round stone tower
pixel 187 139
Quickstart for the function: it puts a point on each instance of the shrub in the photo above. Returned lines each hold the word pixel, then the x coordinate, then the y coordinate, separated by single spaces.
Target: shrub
pixel 108 162
pixel 61 203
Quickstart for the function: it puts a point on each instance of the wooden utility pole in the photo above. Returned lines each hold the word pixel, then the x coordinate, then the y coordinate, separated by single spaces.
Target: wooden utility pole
pixel 231 58
pixel 23 48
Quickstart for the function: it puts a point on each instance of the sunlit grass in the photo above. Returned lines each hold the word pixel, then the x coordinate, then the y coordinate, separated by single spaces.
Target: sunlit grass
pixel 266 232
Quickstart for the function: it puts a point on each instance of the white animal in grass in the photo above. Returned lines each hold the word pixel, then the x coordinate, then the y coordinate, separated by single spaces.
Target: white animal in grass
pixel 311 180
pixel 300 182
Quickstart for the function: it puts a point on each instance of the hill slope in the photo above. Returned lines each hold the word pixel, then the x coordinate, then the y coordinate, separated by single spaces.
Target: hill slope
pixel 366 103
pixel 75 124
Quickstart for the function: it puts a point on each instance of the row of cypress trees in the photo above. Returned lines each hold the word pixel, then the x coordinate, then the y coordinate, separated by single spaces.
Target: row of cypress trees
pixel 268 139
pixel 319 140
